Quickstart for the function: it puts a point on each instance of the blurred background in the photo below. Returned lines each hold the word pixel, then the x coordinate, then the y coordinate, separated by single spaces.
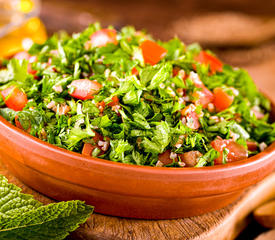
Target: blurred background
pixel 240 32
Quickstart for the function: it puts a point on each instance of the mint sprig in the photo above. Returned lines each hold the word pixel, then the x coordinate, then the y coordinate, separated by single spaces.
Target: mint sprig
pixel 24 218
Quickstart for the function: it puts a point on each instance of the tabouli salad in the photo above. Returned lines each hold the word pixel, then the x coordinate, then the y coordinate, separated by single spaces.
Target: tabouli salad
pixel 124 97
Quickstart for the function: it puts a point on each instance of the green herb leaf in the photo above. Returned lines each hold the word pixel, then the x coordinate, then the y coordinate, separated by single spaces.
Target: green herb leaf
pixel 22 217
pixel 162 74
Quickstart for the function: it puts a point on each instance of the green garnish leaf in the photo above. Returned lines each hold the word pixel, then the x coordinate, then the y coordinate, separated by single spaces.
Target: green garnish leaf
pixel 22 217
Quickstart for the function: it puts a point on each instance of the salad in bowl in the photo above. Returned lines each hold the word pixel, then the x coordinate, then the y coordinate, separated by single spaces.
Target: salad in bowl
pixel 124 97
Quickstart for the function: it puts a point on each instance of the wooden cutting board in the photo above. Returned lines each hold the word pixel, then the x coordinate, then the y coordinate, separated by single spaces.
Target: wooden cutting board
pixel 223 224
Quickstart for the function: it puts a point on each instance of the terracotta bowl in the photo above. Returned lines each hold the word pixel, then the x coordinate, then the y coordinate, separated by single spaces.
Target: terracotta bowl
pixel 126 190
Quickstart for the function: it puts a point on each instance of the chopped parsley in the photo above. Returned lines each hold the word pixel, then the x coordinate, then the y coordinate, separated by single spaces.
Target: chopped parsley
pixel 121 96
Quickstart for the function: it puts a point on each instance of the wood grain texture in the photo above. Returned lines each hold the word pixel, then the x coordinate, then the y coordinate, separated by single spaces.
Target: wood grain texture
pixel 223 224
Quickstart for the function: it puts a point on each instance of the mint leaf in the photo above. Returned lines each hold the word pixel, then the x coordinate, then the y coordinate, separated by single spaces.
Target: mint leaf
pixel 24 218
pixel 53 221
pixel 12 202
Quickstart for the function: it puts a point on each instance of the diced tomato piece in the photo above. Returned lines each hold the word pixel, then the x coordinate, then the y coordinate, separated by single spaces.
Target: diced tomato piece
pixel 152 52
pixel 192 118
pixel 189 158
pixel 188 109
pixel 236 152
pixel 252 146
pixel 181 91
pixel 101 105
pixel 116 108
pixel 214 63
pixel 203 97
pixel 85 89
pixel 114 102
pixel 222 100
pixel 102 37
pixel 165 159
pixel 88 148
pixel 14 98
pixel 134 71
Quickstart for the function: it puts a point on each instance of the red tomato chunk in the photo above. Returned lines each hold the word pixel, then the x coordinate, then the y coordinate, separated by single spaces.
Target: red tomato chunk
pixel 88 148
pixel 214 63
pixel 222 100
pixel 152 52
pixel 204 96
pixel 236 152
pixel 85 89
pixel 14 98
pixel 102 37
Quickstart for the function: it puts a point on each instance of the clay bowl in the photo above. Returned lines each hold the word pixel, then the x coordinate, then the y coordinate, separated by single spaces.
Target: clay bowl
pixel 126 190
